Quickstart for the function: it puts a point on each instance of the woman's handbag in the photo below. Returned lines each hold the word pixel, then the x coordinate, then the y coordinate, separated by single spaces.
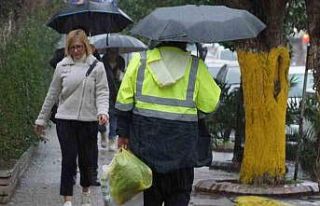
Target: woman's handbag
pixel 55 106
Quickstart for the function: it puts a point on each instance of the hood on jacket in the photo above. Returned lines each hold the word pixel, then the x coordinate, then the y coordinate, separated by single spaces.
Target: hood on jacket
pixel 168 65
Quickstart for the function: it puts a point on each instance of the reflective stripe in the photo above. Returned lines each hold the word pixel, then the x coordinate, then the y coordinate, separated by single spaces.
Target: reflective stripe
pixel 124 107
pixel 140 76
pixel 167 101
pixel 192 79
pixel 165 115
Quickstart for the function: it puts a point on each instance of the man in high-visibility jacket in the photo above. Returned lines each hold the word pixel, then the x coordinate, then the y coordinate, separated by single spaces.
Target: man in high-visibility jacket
pixel 161 95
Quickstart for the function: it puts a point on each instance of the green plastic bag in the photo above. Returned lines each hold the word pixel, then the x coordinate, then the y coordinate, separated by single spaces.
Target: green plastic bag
pixel 128 176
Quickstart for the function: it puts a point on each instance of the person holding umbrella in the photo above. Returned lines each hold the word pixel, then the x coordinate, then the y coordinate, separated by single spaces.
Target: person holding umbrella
pixel 166 92
pixel 157 104
pixel 79 84
pixel 114 65
pixel 59 54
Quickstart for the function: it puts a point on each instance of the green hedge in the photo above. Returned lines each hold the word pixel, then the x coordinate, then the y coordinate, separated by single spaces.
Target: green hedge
pixel 24 78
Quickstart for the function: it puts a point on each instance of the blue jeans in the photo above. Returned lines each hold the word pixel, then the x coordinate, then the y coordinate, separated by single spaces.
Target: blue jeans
pixel 112 126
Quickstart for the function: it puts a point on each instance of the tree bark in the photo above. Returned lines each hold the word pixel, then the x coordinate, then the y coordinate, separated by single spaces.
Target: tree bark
pixel 264 64
pixel 265 87
pixel 313 13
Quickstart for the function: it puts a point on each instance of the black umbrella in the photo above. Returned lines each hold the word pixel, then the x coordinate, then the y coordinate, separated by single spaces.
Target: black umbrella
pixel 93 17
pixel 124 43
pixel 203 24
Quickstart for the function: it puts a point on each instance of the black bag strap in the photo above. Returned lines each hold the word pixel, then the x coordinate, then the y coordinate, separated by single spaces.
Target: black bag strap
pixel 92 66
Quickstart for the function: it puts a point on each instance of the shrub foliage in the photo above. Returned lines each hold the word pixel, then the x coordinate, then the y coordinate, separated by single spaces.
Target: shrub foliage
pixel 24 75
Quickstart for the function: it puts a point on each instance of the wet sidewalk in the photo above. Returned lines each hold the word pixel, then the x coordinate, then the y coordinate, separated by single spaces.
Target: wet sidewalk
pixel 39 186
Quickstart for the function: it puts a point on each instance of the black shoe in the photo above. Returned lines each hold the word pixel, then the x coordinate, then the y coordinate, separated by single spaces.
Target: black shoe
pixel 95 183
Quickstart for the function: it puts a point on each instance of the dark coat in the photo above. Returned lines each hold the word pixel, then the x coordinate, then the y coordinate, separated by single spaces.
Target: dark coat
pixel 113 81
pixel 163 145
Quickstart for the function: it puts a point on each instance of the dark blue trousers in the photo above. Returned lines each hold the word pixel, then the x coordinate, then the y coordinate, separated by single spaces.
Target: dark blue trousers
pixel 172 188
pixel 77 140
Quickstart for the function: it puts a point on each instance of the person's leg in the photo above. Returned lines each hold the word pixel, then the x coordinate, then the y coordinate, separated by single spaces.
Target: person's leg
pixel 112 132
pixel 153 196
pixel 87 156
pixel 94 181
pixel 178 186
pixel 103 133
pixel 68 144
pixel 179 199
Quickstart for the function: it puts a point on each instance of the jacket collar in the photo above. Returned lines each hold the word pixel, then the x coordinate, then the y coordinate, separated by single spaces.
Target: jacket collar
pixel 69 61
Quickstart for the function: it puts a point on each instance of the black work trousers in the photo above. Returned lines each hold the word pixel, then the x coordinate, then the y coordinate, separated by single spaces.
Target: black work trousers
pixel 172 189
pixel 77 139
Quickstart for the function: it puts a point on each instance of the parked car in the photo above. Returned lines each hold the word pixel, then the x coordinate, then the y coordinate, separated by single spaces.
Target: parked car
pixel 230 75
pixel 296 78
pixel 296 75
pixel 216 66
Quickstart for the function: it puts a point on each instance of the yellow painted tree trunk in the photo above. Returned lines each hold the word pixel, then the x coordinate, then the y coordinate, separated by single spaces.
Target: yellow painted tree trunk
pixel 265 90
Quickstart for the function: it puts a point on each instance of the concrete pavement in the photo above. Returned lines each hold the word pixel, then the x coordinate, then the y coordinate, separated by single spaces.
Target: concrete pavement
pixel 39 186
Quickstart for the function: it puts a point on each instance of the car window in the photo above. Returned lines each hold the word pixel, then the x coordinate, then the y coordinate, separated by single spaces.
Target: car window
pixel 228 55
pixel 233 76
pixel 213 71
pixel 296 89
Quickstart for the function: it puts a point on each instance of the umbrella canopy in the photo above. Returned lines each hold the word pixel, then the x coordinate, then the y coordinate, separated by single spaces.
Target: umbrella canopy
pixel 125 43
pixel 93 17
pixel 203 24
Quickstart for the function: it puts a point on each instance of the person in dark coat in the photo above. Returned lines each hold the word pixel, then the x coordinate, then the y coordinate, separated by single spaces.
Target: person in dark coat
pixel 114 65
pixel 161 97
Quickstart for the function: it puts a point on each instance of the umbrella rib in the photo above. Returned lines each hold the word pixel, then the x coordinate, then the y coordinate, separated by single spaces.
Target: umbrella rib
pixel 172 35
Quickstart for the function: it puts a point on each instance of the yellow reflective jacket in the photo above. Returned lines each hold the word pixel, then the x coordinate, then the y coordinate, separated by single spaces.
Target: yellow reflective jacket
pixel 178 99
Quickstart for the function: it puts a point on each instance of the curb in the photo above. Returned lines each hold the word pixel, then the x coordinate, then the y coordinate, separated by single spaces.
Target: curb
pixel 9 178
pixel 228 166
pixel 231 186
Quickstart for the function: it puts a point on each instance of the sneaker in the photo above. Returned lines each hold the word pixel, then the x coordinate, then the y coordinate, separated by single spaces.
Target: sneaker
pixel 67 203
pixel 103 141
pixel 85 199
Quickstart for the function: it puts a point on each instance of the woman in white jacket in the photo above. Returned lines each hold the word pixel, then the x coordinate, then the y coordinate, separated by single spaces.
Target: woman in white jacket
pixel 83 99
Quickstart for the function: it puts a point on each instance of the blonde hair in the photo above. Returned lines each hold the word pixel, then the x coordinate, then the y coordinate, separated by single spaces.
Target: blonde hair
pixel 81 35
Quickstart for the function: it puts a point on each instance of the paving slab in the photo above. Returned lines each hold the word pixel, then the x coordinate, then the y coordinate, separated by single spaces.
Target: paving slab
pixel 39 186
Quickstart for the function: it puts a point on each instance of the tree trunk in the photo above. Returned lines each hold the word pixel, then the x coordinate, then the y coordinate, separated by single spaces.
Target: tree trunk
pixel 264 64
pixel 265 87
pixel 313 13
